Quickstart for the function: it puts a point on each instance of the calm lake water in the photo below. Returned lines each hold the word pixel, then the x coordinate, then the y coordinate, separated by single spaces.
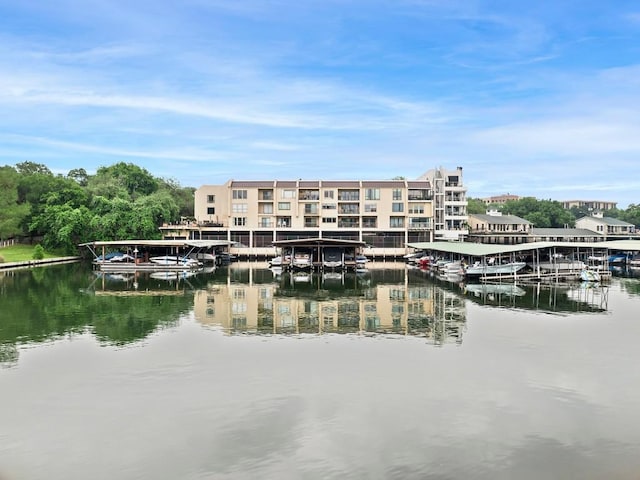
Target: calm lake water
pixel 238 373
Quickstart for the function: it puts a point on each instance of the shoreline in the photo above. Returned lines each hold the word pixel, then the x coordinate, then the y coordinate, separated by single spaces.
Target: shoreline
pixel 38 263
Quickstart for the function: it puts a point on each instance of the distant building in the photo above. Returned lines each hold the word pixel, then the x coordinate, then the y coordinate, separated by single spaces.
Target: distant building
pixel 610 228
pixel 590 205
pixel 500 199
pixel 565 235
pixel 493 227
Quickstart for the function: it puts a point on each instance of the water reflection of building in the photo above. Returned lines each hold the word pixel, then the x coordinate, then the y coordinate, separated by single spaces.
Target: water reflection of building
pixel 345 304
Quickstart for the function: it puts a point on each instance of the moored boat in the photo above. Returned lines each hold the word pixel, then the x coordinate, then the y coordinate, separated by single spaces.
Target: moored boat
pixel 479 269
pixel 175 260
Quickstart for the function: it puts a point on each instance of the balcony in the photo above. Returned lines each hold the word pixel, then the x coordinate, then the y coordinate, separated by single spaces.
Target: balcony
pixel 349 209
pixel 419 195
pixel 348 222
pixel 312 195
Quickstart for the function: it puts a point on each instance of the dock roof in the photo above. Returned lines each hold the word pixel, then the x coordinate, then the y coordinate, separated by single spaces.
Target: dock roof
pixel 159 243
pixel 317 242
pixel 482 249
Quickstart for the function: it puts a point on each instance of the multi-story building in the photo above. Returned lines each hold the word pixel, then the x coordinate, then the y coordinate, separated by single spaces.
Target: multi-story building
pixel 450 220
pixel 500 199
pixel 385 214
pixel 590 205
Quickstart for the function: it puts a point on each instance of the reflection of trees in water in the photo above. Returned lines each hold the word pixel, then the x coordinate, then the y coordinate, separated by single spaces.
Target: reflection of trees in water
pixel 45 303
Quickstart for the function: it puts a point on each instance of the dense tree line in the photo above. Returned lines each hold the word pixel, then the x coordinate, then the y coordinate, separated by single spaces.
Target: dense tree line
pixel 551 213
pixel 121 201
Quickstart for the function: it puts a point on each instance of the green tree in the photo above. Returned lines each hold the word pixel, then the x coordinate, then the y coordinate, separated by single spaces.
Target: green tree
pixel 632 214
pixel 476 205
pixel 135 180
pixel 64 226
pixel 79 175
pixel 183 196
pixel 31 168
pixel 38 252
pixel 12 214
pixel 542 213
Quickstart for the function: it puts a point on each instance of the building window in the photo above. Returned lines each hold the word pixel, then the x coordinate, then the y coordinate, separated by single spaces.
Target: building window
pixel 239 195
pixel 239 221
pixel 416 208
pixel 328 194
pixel 266 208
pixel 397 207
pixel 329 206
pixel 288 193
pixel 397 194
pixel 311 208
pixel 349 209
pixel 370 208
pixel 419 222
pixel 372 194
pixel 211 210
pixel 265 222
pixel 329 220
pixel 211 199
pixel 310 222
pixel 283 222
pixel 369 222
pixel 239 208
pixel 349 195
pixel 284 205
pixel 396 222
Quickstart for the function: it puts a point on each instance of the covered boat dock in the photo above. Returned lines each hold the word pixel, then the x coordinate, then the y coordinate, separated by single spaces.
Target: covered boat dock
pixel 545 260
pixel 138 253
pixel 317 248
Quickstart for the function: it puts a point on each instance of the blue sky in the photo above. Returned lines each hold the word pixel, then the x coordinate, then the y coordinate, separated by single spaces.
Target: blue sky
pixel 534 98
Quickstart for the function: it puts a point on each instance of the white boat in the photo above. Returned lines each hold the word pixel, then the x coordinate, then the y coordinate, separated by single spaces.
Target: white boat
pixel 279 261
pixel 451 267
pixel 562 265
pixel 301 261
pixel 174 260
pixel 361 260
pixel 587 275
pixel 171 275
pixel 204 257
pixel 478 269
pixel 482 289
pixel 332 259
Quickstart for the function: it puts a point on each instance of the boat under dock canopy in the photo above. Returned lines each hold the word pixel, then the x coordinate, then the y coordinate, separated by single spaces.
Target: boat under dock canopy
pixel 139 254
pixel 543 258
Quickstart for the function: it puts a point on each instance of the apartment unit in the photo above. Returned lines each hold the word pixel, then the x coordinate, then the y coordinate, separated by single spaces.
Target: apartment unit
pixel 385 214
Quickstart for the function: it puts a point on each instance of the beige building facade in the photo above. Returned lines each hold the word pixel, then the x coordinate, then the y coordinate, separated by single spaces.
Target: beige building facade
pixel 385 214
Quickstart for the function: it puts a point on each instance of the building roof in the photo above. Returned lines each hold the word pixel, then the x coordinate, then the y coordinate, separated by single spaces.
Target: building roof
pixel 500 219
pixel 608 221
pixel 564 232
pixel 159 243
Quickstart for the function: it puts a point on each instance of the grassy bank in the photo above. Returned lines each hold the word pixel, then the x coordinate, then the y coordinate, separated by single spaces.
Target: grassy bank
pixel 21 253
